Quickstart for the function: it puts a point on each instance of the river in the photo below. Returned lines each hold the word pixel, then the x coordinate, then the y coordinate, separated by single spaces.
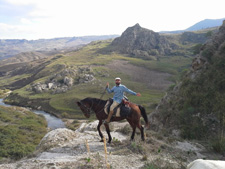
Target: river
pixel 53 122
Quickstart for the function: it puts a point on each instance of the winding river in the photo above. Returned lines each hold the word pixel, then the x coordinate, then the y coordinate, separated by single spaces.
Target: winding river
pixel 53 122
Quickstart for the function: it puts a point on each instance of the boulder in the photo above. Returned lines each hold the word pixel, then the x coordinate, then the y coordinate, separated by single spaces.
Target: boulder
pixel 56 138
pixel 206 164
pixel 50 85
pixel 68 81
pixel 37 89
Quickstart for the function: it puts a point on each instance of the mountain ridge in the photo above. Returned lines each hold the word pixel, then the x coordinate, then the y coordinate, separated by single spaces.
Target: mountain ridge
pixel 12 47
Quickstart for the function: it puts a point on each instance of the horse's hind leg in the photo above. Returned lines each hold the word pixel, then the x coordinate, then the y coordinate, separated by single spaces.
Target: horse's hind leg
pixel 99 130
pixel 134 129
pixel 133 133
pixel 108 132
pixel 142 131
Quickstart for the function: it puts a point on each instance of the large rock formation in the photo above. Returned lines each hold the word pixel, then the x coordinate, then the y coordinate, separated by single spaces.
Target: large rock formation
pixel 141 42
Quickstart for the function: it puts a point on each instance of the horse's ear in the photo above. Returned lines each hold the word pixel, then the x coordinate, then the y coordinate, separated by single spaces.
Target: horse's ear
pixel 78 103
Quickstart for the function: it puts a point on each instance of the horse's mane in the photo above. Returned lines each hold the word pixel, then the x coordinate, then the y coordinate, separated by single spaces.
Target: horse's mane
pixel 95 100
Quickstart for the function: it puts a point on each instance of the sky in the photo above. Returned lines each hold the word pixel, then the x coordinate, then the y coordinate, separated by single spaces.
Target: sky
pixel 38 19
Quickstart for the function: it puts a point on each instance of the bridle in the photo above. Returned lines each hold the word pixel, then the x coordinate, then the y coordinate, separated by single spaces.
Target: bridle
pixel 88 109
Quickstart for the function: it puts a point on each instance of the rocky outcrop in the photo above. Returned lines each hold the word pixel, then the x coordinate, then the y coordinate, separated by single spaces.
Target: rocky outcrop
pixel 64 80
pixel 141 42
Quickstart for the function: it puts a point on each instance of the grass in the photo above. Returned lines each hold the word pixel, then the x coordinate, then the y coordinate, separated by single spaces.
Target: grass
pixel 20 132
pixel 172 65
pixel 6 80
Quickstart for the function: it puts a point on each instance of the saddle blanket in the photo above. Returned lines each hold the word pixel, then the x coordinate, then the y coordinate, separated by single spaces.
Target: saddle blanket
pixel 120 111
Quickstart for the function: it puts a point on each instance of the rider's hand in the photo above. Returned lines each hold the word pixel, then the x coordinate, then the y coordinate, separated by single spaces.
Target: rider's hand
pixel 107 84
pixel 138 94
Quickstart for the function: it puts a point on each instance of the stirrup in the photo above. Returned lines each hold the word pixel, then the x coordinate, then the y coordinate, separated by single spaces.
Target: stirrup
pixel 105 122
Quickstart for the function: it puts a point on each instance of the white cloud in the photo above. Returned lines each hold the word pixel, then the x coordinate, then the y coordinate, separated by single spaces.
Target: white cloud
pixel 55 18
pixel 22 2
pixel 25 21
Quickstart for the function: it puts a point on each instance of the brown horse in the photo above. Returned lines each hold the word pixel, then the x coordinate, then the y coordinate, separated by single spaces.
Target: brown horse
pixel 89 105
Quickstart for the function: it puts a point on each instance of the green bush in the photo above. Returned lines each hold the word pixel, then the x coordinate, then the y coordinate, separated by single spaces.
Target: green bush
pixel 196 49
pixel 151 166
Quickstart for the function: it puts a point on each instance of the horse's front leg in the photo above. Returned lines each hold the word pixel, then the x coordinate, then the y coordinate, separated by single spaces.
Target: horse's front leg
pixel 99 130
pixel 108 132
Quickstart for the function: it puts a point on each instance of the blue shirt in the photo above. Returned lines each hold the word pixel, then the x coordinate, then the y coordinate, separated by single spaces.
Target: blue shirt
pixel 119 92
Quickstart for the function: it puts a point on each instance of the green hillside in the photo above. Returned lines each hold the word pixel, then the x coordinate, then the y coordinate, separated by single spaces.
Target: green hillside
pixel 98 62
pixel 20 132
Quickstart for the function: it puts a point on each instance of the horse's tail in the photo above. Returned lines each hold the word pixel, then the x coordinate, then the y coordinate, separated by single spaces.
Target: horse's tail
pixel 144 115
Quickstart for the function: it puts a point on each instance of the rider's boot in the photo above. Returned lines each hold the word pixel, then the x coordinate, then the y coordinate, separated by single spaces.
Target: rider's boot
pixel 109 117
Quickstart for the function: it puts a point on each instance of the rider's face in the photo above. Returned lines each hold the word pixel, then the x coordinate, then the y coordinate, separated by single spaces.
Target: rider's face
pixel 117 82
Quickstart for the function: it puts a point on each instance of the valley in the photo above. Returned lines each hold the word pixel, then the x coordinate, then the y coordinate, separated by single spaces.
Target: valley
pixel 167 69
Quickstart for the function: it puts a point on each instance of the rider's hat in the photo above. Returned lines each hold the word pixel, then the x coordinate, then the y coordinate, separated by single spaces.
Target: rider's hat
pixel 117 78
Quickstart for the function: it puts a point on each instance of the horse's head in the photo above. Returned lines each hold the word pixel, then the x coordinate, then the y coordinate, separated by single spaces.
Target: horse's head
pixel 85 106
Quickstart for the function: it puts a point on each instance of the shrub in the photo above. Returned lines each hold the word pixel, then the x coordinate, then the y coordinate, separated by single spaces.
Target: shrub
pixel 218 145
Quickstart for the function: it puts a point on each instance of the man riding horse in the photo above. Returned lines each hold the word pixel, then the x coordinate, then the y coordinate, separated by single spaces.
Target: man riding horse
pixel 118 91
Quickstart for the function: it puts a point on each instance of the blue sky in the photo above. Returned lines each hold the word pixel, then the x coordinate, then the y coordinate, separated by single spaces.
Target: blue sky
pixel 35 19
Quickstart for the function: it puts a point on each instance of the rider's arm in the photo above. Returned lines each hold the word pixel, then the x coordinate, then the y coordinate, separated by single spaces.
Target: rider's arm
pixel 110 90
pixel 129 91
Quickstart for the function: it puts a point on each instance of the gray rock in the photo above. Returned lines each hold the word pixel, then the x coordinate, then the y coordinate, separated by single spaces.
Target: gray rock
pixel 50 85
pixel 43 86
pixel 68 81
pixel 37 89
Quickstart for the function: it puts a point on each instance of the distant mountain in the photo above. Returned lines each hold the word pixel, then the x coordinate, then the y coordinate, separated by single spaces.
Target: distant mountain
pixel 204 24
pixel 142 42
pixel 24 57
pixel 11 47
pixel 207 23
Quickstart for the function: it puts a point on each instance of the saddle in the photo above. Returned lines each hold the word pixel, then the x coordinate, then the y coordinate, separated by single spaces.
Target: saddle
pixel 122 110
